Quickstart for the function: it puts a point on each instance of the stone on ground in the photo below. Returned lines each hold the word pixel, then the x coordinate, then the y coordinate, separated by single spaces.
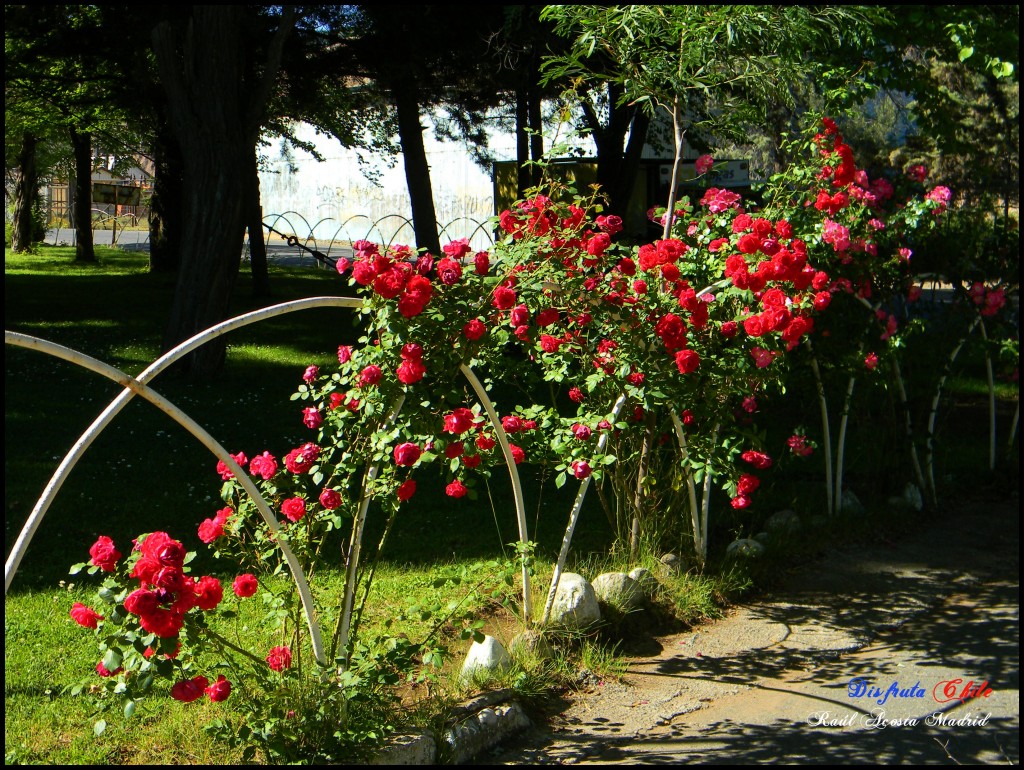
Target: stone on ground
pixel 575 606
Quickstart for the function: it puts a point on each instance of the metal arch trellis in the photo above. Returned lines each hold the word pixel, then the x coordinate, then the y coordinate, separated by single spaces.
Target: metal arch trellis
pixel 137 385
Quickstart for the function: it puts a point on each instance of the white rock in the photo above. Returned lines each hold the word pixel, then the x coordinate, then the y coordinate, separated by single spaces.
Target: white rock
pixel 850 504
pixel 486 657
pixel 745 547
pixel 575 605
pixel 784 521
pixel 619 590
pixel 646 580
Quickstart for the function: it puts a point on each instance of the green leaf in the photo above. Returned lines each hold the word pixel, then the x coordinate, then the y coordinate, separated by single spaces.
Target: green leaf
pixel 112 660
pixel 966 53
pixel 129 709
pixel 99 728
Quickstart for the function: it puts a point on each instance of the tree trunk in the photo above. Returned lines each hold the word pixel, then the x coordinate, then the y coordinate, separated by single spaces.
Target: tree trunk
pixel 25 191
pixel 257 244
pixel 216 114
pixel 417 171
pixel 165 217
pixel 81 143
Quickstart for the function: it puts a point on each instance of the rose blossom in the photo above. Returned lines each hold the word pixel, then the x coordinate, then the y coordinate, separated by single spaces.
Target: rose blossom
pixel 225 472
pixel 871 361
pixel 369 376
pixel 85 616
pixel 294 508
pixel 219 690
pixel 474 330
pixel 300 460
pixel 279 658
pixel 581 432
pixel 104 554
pixel 581 469
pixel 330 499
pixel 703 164
pixel 264 466
pixel 189 690
pixel 102 670
pixel 312 418
pixel 344 354
pixel 141 602
pixel 456 489
pixel 758 459
pixel 410 371
pixel 407 454
pixel 406 490
pixel 459 421
pixel 245 585
pixel 311 372
pixel 208 593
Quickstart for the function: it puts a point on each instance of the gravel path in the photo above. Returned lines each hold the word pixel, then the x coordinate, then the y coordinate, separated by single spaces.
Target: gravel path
pixel 780 679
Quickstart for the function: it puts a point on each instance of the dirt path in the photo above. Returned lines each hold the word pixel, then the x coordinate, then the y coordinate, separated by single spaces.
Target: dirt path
pixel 780 679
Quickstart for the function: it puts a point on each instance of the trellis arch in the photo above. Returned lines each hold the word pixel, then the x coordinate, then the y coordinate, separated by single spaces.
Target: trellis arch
pixel 138 386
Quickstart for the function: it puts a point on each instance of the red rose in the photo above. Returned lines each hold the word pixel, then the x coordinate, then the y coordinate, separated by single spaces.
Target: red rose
pixel 581 469
pixel 504 298
pixel 219 690
pixel 747 484
pixel 330 499
pixel 312 418
pixel 454 449
pixel 581 432
pixel 294 508
pixel 449 271
pixel 279 658
pixel 102 670
pixel 512 423
pixel 210 530
pixel 484 443
pixel 474 330
pixel 410 371
pixel 264 465
pixel 758 459
pixel 190 689
pixel 164 623
pixel 104 554
pixel 85 616
pixel 300 460
pixel 471 461
pixel 518 455
pixel 407 454
pixel 456 489
pixel 344 354
pixel 481 263
pixel 459 421
pixel 245 585
pixel 406 490
pixel 141 602
pixel 208 593
pixel 687 361
pixel 369 376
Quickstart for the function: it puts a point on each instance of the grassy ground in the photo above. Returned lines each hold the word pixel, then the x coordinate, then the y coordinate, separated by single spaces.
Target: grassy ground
pixel 145 474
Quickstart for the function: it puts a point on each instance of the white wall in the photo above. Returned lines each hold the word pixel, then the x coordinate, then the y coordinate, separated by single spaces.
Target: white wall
pixel 335 200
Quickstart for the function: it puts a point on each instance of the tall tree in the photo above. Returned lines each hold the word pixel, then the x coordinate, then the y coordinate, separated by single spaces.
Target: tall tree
pixel 217 93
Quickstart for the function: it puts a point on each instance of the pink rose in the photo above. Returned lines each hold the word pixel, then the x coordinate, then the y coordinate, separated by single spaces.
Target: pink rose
pixel 703 164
